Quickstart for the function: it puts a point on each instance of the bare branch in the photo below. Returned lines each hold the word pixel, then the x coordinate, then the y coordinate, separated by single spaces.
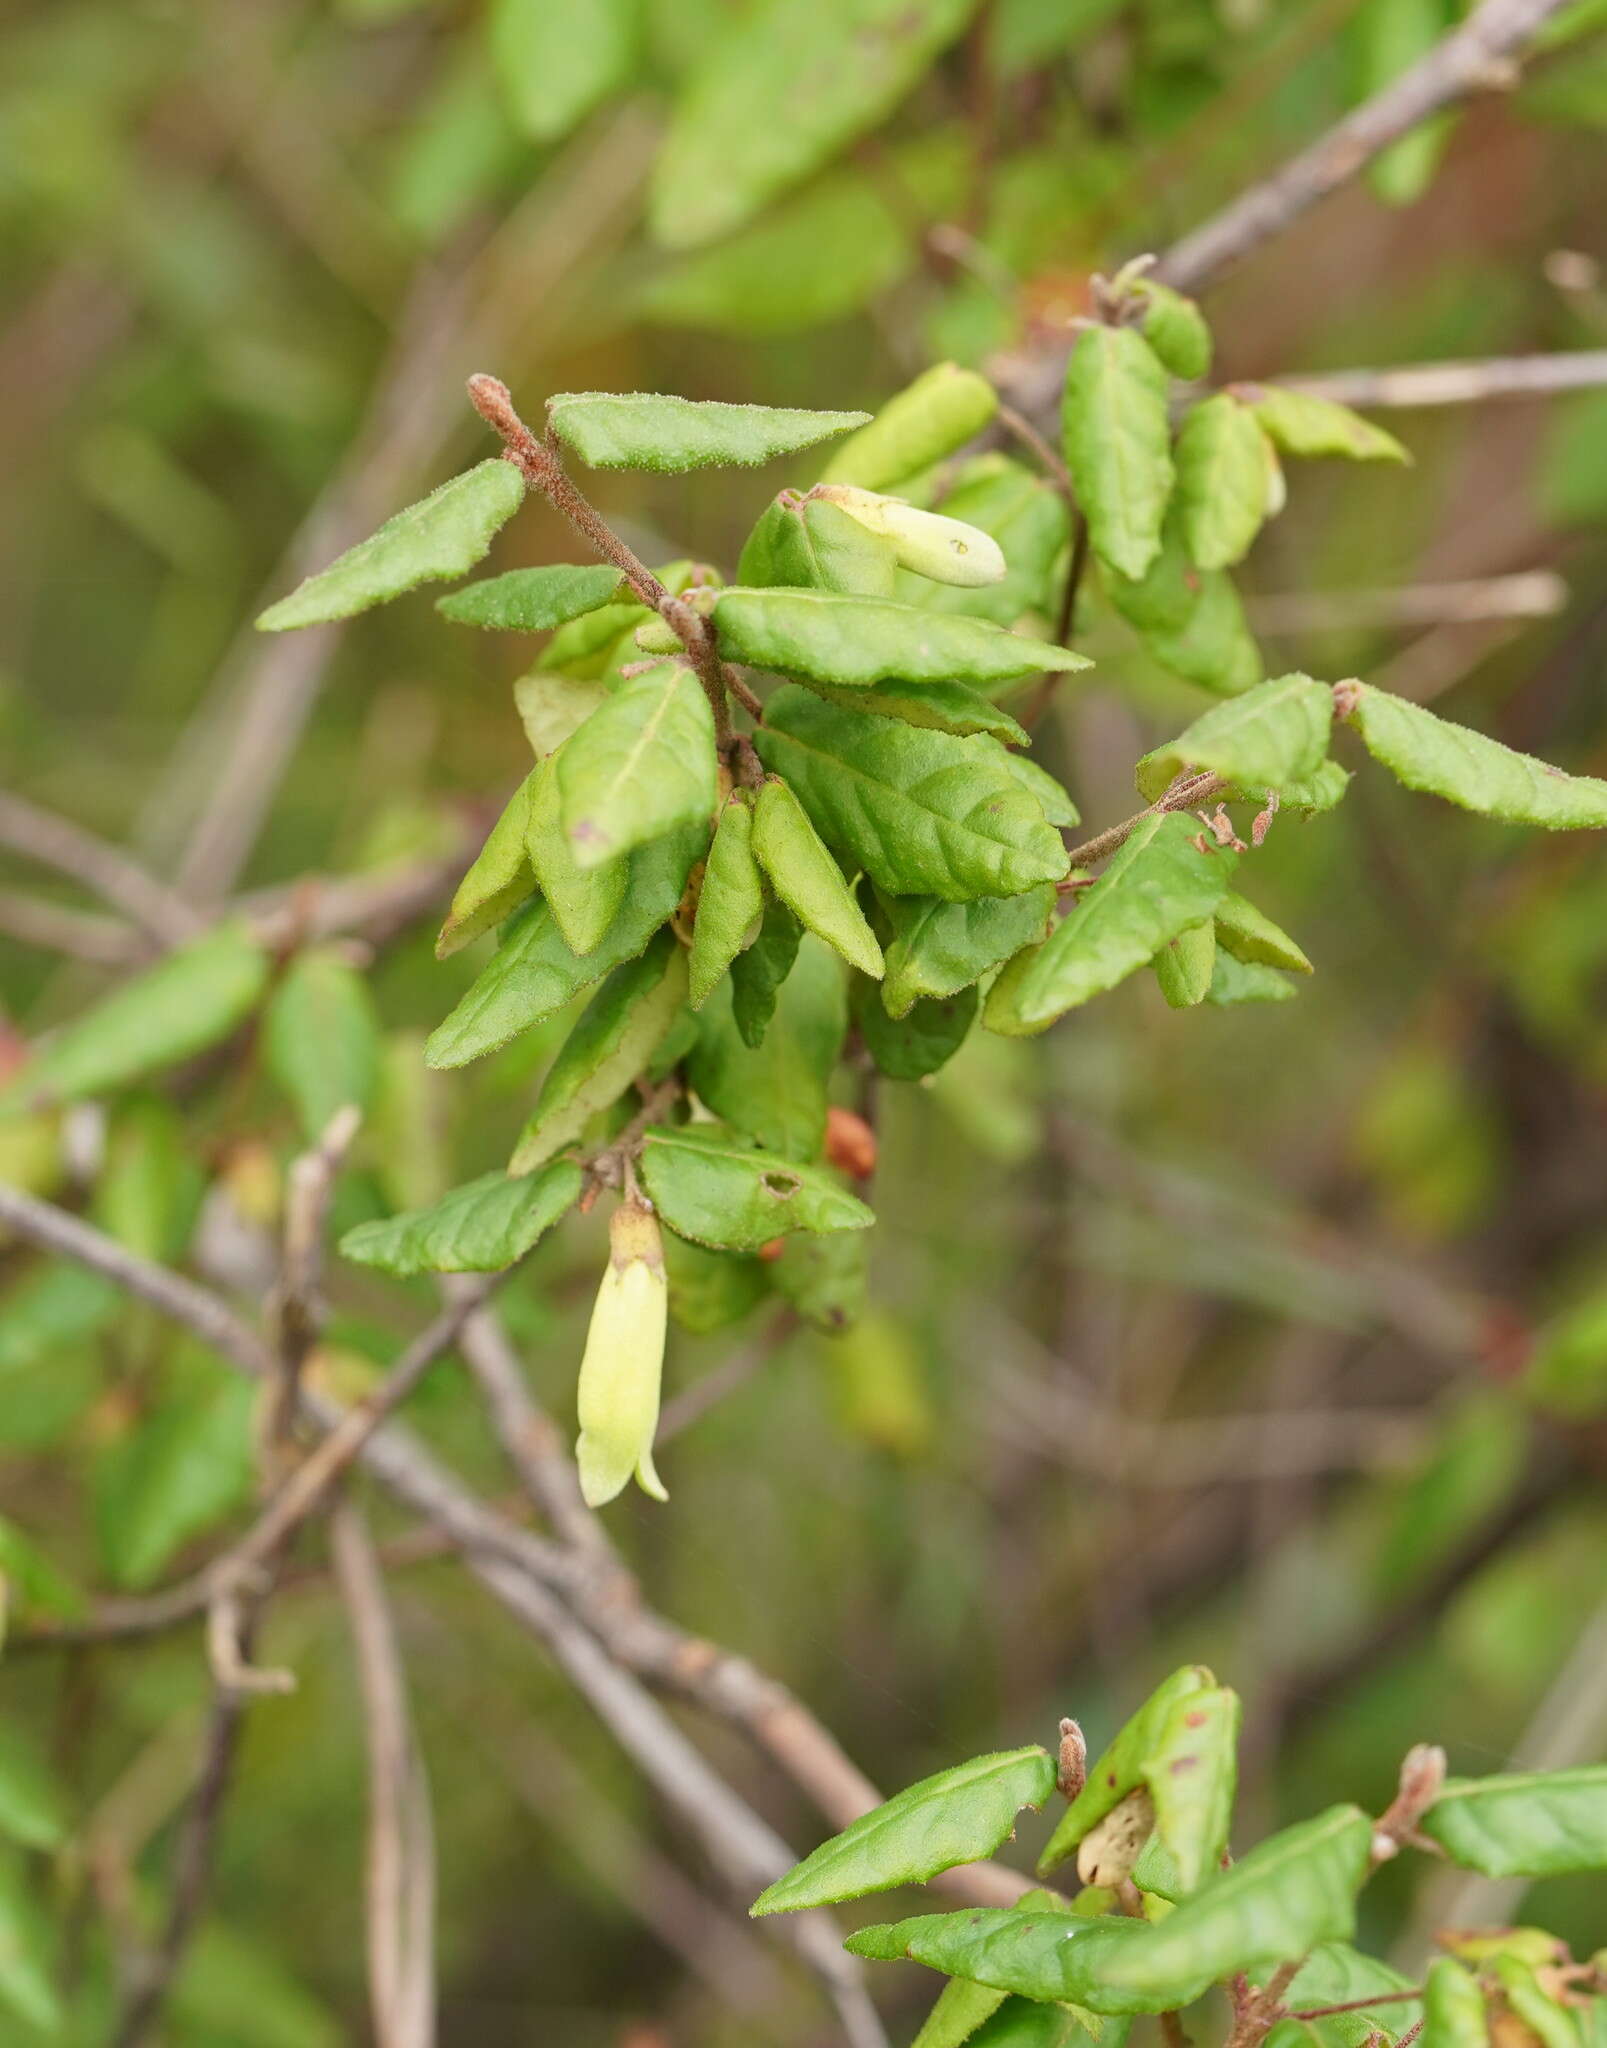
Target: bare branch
pixel 1530 594
pixel 105 870
pixel 1458 383
pixel 79 934
pixel 1188 791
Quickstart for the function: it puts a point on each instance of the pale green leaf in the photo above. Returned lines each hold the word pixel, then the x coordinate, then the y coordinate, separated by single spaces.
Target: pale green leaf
pixel 835 66
pixel 1190 619
pixel 617 1034
pixel 1236 981
pixel 1120 1769
pixel 1175 329
pixel 1273 735
pixel 534 972
pixel 1050 797
pixel 808 880
pixel 923 424
pixel 33 1801
pixel 482 1227
pixel 776 1091
pixel 1192 1773
pixel 497 882
pixel 831 636
pixel 320 1038
pixel 1454 2012
pixel 1156 886
pixel 584 901
pixel 924 813
pixel 180 1007
pixel 940 707
pixel 1118 443
pixel 957 1816
pixel 1300 423
pixel 709 1185
pixel 1250 935
pixel 555 59
pixel 812 544
pixel 960 2009
pixel 730 901
pixel 1222 475
pixel 552 706
pixel 642 764
pixel 1536 2007
pixel 1184 965
pixel 651 430
pixel 1525 1824
pixel 1468 768
pixel 531 600
pixel 1292 1891
pixel 443 535
pixel 939 948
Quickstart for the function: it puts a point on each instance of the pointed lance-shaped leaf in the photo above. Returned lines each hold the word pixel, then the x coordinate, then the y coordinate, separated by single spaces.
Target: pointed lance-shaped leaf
pixel 1120 1769
pixel 482 1227
pixel 1118 443
pixel 1222 481
pixel 531 600
pixel 1250 935
pixel 584 900
pixel 808 880
pixel 924 424
pixel 642 764
pixel 498 880
pixel 730 901
pixel 649 430
pixel 1301 423
pixel 443 535
pixel 1524 1824
pixel 1469 769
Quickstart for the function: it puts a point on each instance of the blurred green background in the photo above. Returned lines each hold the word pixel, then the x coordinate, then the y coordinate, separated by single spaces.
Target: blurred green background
pixel 1275 1337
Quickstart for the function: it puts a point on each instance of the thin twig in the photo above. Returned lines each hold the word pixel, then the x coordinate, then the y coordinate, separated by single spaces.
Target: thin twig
pixel 298 1306
pixel 1458 383
pixel 1185 793
pixel 1530 594
pixel 78 934
pixel 105 870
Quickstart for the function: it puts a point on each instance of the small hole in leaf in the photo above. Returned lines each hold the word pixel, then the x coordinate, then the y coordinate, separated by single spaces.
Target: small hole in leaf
pixel 782 1185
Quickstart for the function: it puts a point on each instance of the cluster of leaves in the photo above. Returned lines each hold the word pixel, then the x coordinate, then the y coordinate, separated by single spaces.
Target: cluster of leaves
pixel 1165 1912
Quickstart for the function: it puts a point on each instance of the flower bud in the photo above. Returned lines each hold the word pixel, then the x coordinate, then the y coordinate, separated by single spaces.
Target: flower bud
pixel 624 1362
pixel 947 550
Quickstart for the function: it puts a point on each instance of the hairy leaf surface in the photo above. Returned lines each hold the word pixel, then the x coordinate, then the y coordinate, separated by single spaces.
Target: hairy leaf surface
pixel 481 1227
pixel 730 901
pixel 1273 735
pixel 531 600
pixel 1524 1824
pixel 829 636
pixel 642 764
pixel 651 430
pixel 1470 769
pixel 1118 443
pixel 808 880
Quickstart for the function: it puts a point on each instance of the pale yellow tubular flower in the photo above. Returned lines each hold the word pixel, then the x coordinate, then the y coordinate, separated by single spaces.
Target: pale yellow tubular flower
pixel 623 1366
pixel 946 550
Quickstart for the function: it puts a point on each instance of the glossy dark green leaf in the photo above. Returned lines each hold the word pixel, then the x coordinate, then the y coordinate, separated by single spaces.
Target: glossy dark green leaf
pixel 497 882
pixel 641 765
pixel 1529 1824
pixel 939 948
pixel 1294 1890
pixel 808 880
pixel 925 423
pixel 1469 769
pixel 837 66
pixel 1250 935
pixel 1118 443
pixel 1273 735
pixel 924 813
pixel 531 600
pixel 650 430
pixel 184 1004
pixel 730 901
pixel 711 1186
pixel 956 1816
pixel 758 972
pixel 616 1035
pixel 584 901
pixel 1184 965
pixel 1300 423
pixel 939 707
pixel 829 636
pixel 555 59
pixel 535 972
pixel 811 544
pixel 924 1038
pixel 320 1038
pixel 443 535
pixel 1120 1769
pixel 1157 885
pixel 481 1227
pixel 776 1091
pixel 1222 477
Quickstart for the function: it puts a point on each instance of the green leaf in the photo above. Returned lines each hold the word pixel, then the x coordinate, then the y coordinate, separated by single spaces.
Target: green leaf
pixel 1190 619
pixel 33 1802
pixel 924 813
pixel 1300 423
pixel 1236 981
pixel 531 600
pixel 1541 2013
pixel 1183 966
pixel 710 1290
pixel 535 972
pixel 1118 443
pixel 960 2009
pixel 482 1227
pixel 1192 1773
pixel 1469 769
pixel 1454 2014
pixel 1175 329
pixel 320 1038
pixel 1525 1824
pixel 1310 796
pixel 1029 520
pixel 1221 481
pixel 551 707
pixel 555 59
pixel 618 1032
pixel 758 972
pixel 730 901
pixel 1120 1769
pixel 957 1816
pixel 939 707
pixel 174 1010
pixel 1272 735
pixel 812 544
pixel 1054 801
pixel 642 764
pixel 828 636
pixel 1250 935
pixel 1335 1974
pixel 1292 1891
pixel 838 66
pixel 924 424
pixel 177 1473
pixel 443 535
pixel 825 1279
pixel 777 1091
pixel 939 948
pixel 920 1041
pixel 649 430
pixel 710 1186
pixel 27 1952
pixel 1157 885
pixel 49 1311
pixel 497 882
pixel 808 880
pixel 584 901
